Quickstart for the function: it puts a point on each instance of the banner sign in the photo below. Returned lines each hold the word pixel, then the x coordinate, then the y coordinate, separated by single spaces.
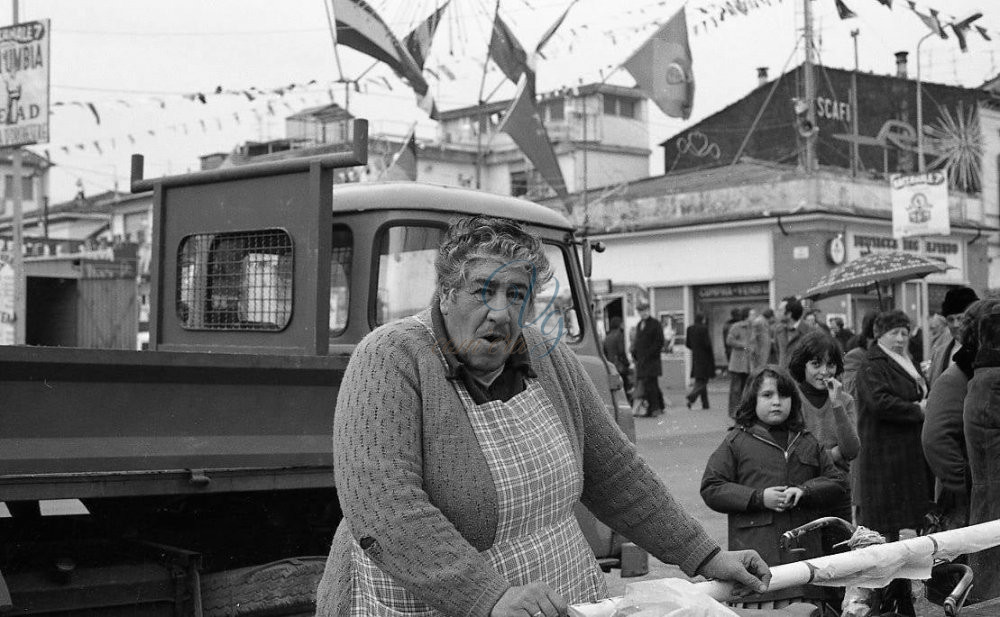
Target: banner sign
pixel 24 70
pixel 919 204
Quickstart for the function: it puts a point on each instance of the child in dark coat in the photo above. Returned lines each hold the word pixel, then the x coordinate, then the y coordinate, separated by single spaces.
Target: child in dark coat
pixel 770 474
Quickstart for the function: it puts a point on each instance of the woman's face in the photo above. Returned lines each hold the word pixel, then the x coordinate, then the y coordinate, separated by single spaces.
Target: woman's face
pixel 772 408
pixel 895 339
pixel 818 370
pixel 483 317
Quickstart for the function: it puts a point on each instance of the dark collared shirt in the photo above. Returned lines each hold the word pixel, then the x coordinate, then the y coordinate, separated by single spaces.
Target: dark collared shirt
pixel 508 384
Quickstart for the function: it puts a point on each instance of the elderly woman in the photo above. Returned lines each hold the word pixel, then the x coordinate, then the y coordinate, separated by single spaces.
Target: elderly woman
pixel 464 437
pixel 982 436
pixel 893 485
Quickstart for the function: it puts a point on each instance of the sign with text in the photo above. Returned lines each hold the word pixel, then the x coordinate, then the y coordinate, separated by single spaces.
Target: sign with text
pixel 24 96
pixel 919 204
pixel 8 300
pixel 948 250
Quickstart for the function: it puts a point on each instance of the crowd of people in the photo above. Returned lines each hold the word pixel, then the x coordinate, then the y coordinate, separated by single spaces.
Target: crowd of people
pixel 836 424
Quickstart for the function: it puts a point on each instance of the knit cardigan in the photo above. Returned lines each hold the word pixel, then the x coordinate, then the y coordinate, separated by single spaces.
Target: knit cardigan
pixel 834 424
pixel 417 494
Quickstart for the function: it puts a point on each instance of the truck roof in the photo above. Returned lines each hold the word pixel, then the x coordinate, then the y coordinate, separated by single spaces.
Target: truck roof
pixel 422 196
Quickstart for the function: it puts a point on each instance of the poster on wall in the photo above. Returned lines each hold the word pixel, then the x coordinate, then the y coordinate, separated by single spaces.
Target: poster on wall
pixel 24 70
pixel 919 204
pixel 8 291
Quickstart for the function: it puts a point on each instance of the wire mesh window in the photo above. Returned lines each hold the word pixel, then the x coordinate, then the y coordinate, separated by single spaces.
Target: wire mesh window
pixel 238 281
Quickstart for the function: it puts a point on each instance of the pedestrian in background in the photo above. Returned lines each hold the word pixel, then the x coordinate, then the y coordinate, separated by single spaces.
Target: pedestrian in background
pixel 614 351
pixel 841 333
pixel 734 316
pixel 699 341
pixel 790 328
pixel 893 485
pixel 956 300
pixel 646 348
pixel 738 340
pixel 760 339
pixel 770 474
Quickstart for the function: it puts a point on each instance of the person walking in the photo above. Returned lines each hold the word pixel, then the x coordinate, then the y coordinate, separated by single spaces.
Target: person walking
pixel 614 351
pixel 698 340
pixel 646 350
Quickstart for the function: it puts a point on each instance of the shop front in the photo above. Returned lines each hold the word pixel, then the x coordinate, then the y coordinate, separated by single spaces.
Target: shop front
pixel 717 303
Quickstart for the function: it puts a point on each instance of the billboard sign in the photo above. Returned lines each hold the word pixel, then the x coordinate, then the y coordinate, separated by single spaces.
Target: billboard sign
pixel 919 204
pixel 24 93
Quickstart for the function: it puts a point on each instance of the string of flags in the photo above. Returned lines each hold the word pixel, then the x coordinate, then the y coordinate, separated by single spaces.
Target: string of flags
pixel 932 19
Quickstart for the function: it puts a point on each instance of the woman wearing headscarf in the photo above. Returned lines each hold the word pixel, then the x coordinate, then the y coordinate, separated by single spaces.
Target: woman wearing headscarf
pixel 465 435
pixel 893 485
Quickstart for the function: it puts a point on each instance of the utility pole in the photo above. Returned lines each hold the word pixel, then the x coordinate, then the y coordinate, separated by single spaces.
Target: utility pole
pixel 855 155
pixel 20 278
pixel 810 86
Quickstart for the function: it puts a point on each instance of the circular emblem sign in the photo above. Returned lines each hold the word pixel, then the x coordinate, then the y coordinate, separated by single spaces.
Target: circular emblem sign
pixel 836 252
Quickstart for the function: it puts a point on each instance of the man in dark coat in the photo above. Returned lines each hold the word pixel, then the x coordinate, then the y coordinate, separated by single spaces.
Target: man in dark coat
pixel 790 329
pixel 952 308
pixel 614 350
pixel 646 350
pixel 699 342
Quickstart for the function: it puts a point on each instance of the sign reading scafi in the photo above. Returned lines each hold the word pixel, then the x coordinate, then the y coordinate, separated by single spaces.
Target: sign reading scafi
pixel 919 204
pixel 24 95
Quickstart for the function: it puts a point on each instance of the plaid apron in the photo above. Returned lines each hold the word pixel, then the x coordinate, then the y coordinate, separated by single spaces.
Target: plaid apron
pixel 538 482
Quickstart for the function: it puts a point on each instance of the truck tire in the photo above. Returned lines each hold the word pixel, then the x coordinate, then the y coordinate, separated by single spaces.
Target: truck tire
pixel 285 587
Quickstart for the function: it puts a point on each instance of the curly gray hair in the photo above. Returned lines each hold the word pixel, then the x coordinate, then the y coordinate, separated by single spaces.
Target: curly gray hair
pixel 489 237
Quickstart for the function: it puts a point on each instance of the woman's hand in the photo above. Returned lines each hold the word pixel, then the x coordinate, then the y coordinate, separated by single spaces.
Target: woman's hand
pixel 533 600
pixel 774 498
pixel 745 569
pixel 834 387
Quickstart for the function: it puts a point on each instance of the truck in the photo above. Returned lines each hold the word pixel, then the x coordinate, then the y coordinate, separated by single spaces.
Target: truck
pixel 195 478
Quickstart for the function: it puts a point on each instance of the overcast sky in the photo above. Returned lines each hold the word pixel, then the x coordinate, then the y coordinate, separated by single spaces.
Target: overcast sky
pixel 138 62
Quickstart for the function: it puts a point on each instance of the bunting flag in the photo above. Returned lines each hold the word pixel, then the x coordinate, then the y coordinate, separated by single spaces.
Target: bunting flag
pixel 507 52
pixel 887 3
pixel 552 30
pixel 418 42
pixel 961 27
pixel 404 162
pixel 982 32
pixel 844 11
pixel 359 27
pixel 662 68
pixel 524 125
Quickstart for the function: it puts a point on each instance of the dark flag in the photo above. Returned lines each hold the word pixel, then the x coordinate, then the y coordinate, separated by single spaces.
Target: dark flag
pixel 552 29
pixel 524 125
pixel 662 68
pixel 844 11
pixel 359 27
pixel 507 52
pixel 418 42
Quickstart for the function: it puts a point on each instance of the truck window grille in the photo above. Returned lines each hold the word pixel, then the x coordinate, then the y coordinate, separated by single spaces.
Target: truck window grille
pixel 238 281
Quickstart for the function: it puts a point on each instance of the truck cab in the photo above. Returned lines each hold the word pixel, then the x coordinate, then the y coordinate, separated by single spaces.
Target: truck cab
pixel 264 278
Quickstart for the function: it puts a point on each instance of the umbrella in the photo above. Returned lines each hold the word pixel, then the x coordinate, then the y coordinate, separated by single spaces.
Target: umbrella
pixel 874 270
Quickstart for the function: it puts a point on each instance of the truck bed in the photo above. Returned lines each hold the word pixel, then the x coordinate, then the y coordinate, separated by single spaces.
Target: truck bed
pixel 79 423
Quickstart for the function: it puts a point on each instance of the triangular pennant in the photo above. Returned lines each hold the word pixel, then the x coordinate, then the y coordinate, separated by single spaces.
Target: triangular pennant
pixel 982 32
pixel 844 11
pixel 887 3
pixel 662 68
pixel 418 42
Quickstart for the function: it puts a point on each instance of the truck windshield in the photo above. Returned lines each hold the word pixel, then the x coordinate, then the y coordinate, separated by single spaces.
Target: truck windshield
pixel 406 280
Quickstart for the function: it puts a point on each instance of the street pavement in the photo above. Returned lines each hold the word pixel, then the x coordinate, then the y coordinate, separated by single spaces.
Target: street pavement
pixel 677 445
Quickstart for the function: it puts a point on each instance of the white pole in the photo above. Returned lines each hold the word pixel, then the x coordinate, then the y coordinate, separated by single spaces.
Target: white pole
pixel 20 278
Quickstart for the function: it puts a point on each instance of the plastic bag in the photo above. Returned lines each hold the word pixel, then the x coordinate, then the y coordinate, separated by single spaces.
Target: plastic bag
pixel 668 597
